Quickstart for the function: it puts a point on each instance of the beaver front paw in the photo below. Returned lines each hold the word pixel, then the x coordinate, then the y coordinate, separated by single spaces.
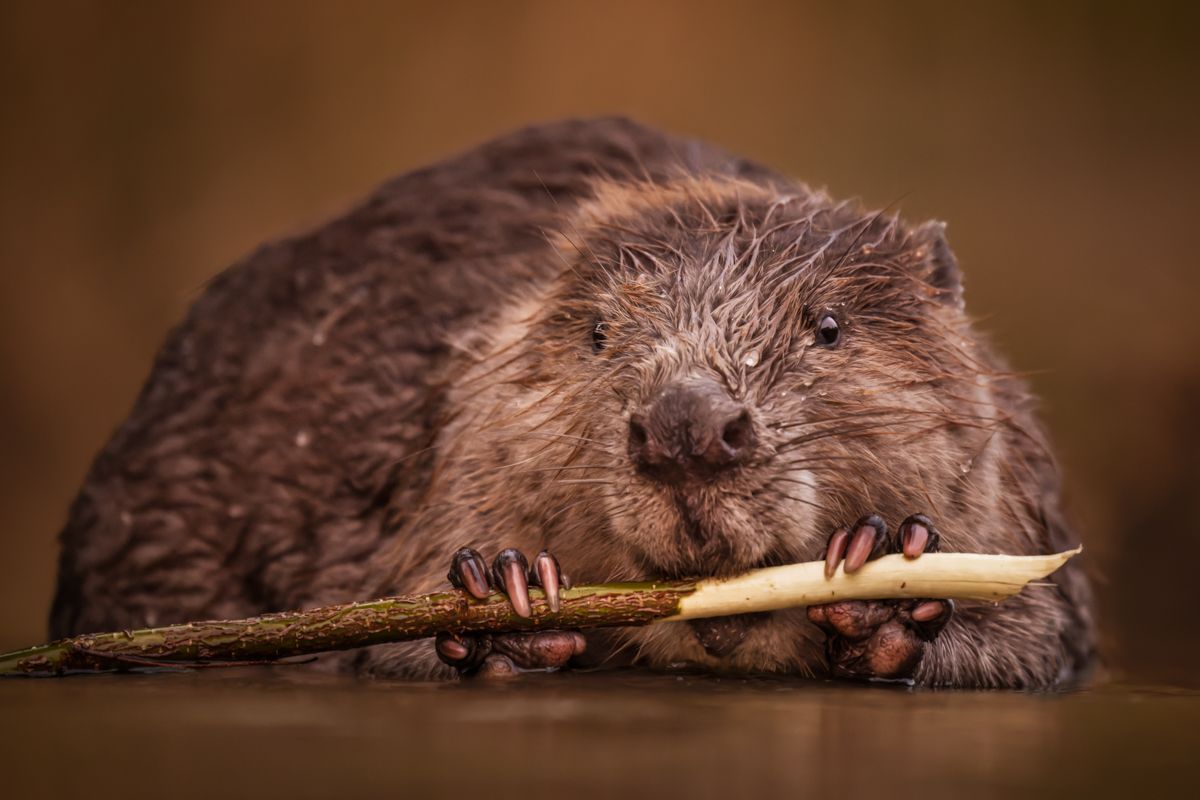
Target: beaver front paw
pixel 502 655
pixel 879 639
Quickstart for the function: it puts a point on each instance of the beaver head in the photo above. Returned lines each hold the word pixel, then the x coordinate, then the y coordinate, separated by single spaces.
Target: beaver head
pixel 718 375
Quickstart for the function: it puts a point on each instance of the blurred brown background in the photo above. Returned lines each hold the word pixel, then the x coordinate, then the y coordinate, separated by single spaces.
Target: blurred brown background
pixel 145 146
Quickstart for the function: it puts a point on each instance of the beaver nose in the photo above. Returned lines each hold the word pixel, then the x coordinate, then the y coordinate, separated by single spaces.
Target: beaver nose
pixel 693 430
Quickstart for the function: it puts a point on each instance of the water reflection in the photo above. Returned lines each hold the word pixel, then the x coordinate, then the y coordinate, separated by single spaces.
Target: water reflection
pixel 585 735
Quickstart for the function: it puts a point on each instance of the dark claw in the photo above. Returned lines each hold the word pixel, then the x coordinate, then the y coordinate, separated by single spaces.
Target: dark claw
pixel 870 541
pixel 930 616
pixel 452 649
pixel 460 652
pixel 836 550
pixel 547 574
pixel 509 571
pixel 931 609
pixel 468 571
pixel 505 655
pixel 917 535
pixel 879 639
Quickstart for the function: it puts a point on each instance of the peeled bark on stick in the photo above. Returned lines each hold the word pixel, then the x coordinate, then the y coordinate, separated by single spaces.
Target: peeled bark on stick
pixel 959 576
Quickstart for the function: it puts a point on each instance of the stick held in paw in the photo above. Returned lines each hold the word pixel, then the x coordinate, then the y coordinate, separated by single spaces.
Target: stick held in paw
pixel 961 576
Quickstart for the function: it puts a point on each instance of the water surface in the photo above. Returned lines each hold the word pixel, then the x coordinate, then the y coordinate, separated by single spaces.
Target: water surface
pixel 285 731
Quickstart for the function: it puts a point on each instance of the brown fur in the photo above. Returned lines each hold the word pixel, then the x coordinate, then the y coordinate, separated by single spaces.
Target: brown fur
pixel 342 411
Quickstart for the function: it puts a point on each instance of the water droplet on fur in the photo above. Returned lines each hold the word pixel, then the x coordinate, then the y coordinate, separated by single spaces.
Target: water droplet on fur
pixel 965 467
pixel 303 439
pixel 126 518
pixel 751 359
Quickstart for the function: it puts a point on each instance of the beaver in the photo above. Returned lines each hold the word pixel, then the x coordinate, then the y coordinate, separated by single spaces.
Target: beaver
pixel 594 347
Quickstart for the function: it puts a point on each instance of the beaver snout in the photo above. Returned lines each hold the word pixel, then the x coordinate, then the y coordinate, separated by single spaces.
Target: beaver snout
pixel 691 431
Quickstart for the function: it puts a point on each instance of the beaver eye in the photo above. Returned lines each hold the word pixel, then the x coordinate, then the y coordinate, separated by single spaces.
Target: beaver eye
pixel 599 338
pixel 828 331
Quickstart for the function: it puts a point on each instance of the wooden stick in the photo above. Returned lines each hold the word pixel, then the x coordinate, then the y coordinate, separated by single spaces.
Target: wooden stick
pixel 268 638
pixel 953 576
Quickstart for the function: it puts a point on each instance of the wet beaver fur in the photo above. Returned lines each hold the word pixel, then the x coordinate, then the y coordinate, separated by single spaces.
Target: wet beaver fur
pixel 637 352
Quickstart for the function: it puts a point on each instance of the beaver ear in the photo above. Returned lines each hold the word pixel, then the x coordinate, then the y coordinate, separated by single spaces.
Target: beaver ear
pixel 943 272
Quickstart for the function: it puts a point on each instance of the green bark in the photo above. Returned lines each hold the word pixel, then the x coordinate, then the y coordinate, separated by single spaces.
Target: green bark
pixel 296 633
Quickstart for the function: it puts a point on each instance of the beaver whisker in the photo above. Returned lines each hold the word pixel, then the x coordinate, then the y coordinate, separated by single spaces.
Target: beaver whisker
pixel 901 421
pixel 781 478
pixel 882 428
pixel 612 654
pixel 585 502
pixel 885 420
pixel 824 470
pixel 503 467
pixel 565 436
pixel 808 466
pixel 824 421
pixel 577 447
pixel 564 467
pixel 815 458
pixel 884 411
pixel 805 501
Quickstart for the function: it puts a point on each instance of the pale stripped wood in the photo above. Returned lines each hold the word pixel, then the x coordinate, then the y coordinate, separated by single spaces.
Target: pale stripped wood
pixel 957 576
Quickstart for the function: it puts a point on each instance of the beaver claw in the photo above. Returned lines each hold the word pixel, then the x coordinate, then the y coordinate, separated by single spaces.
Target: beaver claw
pixel 879 639
pixel 510 573
pixel 504 655
pixel 500 655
